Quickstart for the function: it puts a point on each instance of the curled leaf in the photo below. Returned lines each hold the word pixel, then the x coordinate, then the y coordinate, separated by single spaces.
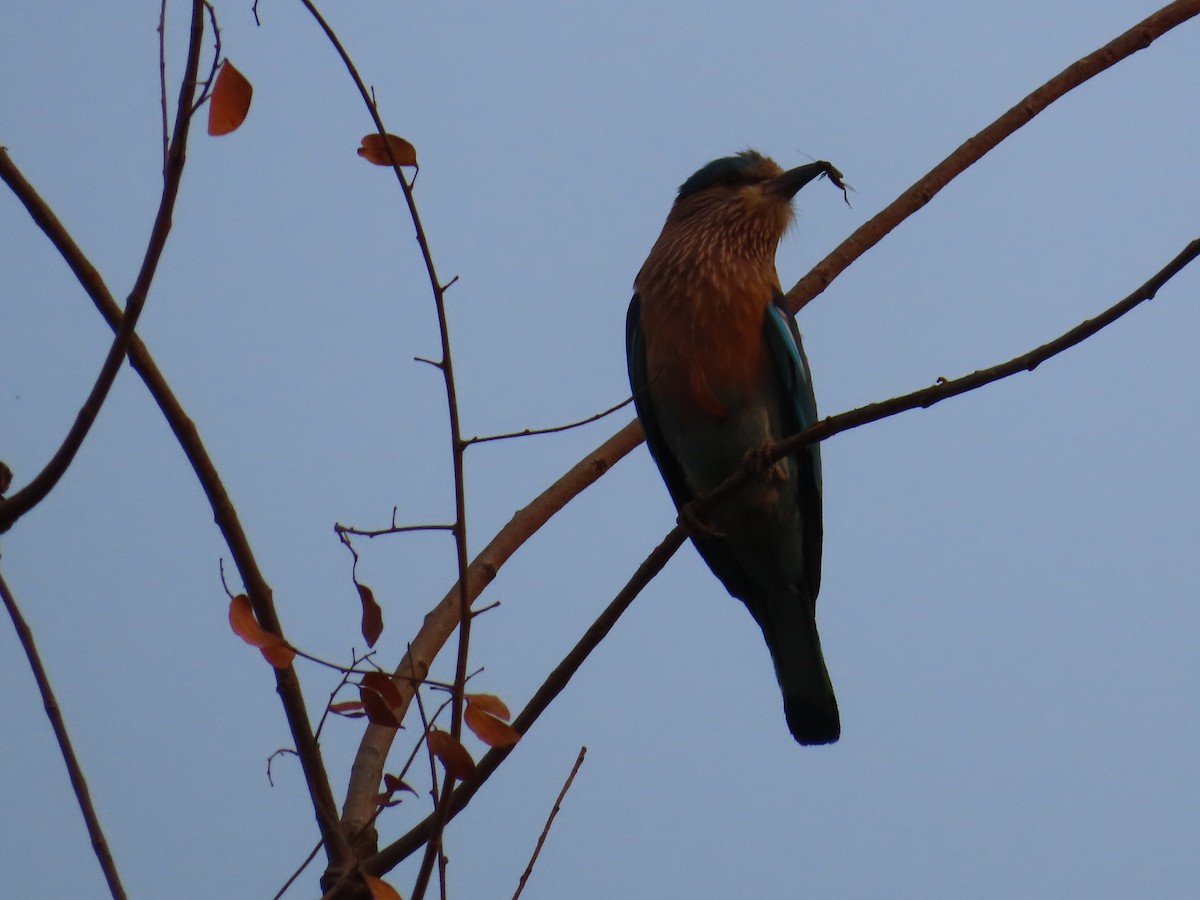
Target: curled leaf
pixel 280 655
pixel 393 784
pixel 372 615
pixel 454 756
pixel 245 626
pixel 351 709
pixel 230 101
pixel 374 150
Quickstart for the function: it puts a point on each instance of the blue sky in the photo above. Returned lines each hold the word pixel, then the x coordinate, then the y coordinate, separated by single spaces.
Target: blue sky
pixel 1009 602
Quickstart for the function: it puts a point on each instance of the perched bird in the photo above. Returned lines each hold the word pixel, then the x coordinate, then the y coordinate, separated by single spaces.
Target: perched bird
pixel 718 372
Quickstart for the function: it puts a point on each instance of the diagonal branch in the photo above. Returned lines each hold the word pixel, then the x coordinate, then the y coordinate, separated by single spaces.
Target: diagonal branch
pixel 1139 37
pixel 936 393
pixel 41 485
pixel 74 770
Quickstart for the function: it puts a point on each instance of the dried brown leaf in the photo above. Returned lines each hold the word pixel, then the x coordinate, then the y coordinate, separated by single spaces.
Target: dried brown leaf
pixel 454 756
pixel 490 703
pixel 245 626
pixel 279 654
pixel 381 699
pixel 488 728
pixel 374 150
pixel 351 709
pixel 230 100
pixel 372 615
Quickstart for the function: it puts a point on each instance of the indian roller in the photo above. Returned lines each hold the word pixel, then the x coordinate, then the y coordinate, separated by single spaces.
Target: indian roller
pixel 718 372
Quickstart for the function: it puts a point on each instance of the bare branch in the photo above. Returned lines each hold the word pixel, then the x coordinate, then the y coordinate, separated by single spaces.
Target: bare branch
pixel 74 770
pixel 550 821
pixel 943 390
pixel 554 429
pixel 1139 37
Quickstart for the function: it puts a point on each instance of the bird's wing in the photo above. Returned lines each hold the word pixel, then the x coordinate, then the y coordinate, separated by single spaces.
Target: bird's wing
pixel 799 410
pixel 635 357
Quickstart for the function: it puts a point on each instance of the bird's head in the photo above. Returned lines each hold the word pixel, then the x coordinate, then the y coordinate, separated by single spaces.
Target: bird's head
pixel 747 196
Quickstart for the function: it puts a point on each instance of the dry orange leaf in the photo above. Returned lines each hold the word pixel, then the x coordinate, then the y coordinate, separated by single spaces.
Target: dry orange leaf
pixel 381 890
pixel 280 655
pixel 230 100
pixel 245 626
pixel 373 150
pixel 488 728
pixel 454 756
pixel 490 703
pixel 372 615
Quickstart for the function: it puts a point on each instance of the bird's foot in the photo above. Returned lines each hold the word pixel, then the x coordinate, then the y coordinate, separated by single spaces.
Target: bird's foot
pixel 759 463
pixel 694 523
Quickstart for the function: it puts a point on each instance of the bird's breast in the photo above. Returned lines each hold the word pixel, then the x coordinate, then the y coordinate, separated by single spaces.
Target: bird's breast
pixel 704 348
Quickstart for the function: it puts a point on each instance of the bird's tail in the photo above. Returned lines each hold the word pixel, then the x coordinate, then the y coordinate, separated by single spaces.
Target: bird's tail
pixel 790 627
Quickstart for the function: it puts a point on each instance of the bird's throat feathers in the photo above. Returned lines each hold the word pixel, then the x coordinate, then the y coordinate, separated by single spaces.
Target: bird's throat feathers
pixel 705 288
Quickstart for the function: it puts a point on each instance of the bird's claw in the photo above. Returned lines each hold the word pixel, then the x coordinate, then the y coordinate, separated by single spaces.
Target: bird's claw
pixel 694 524
pixel 759 462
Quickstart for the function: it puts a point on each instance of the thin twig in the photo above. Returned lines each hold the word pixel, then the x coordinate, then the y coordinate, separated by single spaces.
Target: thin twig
pixel 1139 37
pixel 299 871
pixel 554 429
pixel 456 441
pixel 550 821
pixel 74 770
pixel 342 530
pixel 162 78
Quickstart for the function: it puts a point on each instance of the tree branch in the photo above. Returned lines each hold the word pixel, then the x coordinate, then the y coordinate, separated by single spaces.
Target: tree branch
pixel 550 821
pixel 944 390
pixel 74 770
pixel 1139 37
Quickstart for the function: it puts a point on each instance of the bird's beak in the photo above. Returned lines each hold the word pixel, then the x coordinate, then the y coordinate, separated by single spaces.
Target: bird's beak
pixel 787 184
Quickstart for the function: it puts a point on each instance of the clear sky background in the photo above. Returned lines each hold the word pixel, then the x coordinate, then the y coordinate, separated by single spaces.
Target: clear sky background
pixel 1010 598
